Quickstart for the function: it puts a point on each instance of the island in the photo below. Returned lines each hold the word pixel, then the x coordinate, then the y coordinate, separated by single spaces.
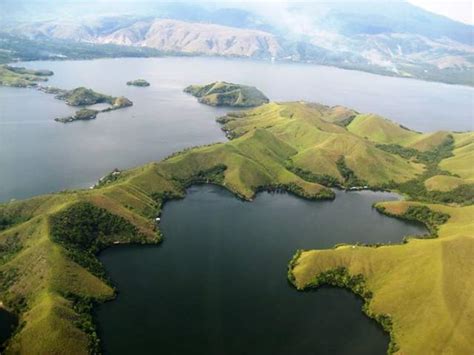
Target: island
pixel 50 276
pixel 83 114
pixel 82 96
pixel 221 93
pixel 22 77
pixel 138 82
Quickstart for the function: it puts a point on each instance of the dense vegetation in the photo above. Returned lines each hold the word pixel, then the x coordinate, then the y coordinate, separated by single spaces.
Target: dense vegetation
pixel 431 219
pixel 227 94
pixel 84 229
pixel 350 178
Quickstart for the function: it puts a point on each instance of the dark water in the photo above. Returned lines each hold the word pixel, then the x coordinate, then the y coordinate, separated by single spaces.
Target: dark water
pixel 8 322
pixel 38 155
pixel 217 285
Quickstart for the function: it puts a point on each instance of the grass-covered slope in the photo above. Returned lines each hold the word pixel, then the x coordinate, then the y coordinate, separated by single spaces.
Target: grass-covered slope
pixel 424 286
pixel 222 93
pixel 22 77
pixel 461 163
pixel 50 276
pixel 319 143
pixel 383 131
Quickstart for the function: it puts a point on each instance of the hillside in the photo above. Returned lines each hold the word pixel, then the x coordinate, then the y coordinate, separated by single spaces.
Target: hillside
pixel 221 93
pixel 420 290
pixel 50 275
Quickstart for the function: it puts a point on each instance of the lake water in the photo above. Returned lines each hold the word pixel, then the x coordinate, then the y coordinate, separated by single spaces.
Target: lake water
pixel 8 322
pixel 38 155
pixel 217 284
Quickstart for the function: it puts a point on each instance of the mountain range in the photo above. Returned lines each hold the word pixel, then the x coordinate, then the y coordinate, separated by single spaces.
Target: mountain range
pixel 393 38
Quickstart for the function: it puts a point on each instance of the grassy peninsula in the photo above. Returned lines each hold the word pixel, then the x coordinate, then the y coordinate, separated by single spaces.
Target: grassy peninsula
pixel 221 93
pixel 419 290
pixel 22 77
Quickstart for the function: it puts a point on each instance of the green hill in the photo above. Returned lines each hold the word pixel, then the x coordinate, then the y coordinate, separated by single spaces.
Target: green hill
pixel 222 93
pixel 383 131
pixel 50 276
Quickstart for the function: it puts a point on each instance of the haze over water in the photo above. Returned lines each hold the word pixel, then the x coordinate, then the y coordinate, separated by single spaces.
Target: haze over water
pixel 38 155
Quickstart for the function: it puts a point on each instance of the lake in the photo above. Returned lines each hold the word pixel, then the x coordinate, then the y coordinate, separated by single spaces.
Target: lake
pixel 38 155
pixel 218 285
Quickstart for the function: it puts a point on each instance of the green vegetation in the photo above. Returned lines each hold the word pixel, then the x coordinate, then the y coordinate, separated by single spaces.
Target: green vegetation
pixel 17 48
pixel 138 82
pixel 50 275
pixel 84 229
pixel 82 96
pixel 21 77
pixel 388 270
pixel 431 219
pixel 221 93
pixel 82 114
pixel 400 275
pixel 350 178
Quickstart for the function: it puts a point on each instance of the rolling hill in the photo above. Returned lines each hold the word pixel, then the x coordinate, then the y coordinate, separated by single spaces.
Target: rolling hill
pixel 50 276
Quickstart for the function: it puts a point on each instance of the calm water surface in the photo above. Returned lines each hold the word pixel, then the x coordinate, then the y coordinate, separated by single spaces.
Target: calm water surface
pixel 38 155
pixel 8 322
pixel 217 285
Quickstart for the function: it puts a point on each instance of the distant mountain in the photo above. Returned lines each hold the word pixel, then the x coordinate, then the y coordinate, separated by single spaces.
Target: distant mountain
pixel 164 34
pixel 394 38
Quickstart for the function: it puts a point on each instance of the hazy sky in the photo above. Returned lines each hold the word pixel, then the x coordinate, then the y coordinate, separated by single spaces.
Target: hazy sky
pixel 460 10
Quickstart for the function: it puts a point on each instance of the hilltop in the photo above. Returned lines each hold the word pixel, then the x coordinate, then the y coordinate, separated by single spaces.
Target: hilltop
pixel 221 93
pixel 50 275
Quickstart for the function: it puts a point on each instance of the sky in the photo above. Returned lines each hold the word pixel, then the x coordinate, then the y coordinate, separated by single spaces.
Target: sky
pixel 459 10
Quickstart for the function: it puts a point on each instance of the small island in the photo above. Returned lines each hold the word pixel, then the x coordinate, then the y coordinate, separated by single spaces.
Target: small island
pixel 22 77
pixel 138 82
pixel 221 93
pixel 82 96
pixel 83 114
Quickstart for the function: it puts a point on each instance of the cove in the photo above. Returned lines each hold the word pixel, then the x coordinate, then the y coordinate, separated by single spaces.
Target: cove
pixel 217 284
pixel 8 322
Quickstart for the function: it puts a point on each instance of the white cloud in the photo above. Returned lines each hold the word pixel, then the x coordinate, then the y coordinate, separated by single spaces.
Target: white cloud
pixel 459 10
